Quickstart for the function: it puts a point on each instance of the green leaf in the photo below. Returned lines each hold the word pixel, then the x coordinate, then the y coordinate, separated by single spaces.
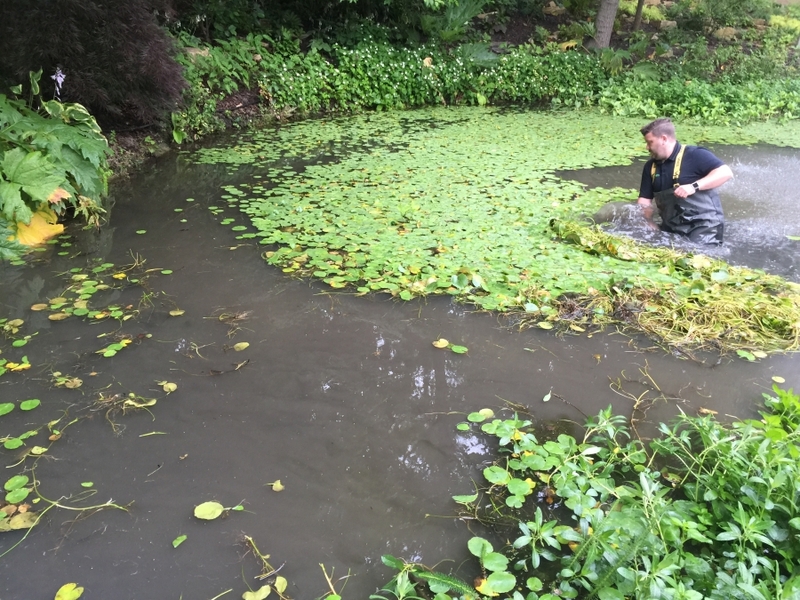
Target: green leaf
pixel 392 562
pixel 17 496
pixel 16 482
pixel 494 561
pixel 466 499
pixel 501 582
pixel 479 547
pixel 746 355
pixel 496 475
pixel 610 594
pixel 462 427
pixel 29 404
pixel 208 510
pixel 459 349
pixel 178 541
pixel 6 407
pixel 12 444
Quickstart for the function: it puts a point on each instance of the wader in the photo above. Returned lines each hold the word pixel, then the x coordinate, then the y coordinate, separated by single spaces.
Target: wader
pixel 698 217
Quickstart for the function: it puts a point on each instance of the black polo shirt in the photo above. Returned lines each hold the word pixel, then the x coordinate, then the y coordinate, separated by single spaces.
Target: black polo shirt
pixel 697 163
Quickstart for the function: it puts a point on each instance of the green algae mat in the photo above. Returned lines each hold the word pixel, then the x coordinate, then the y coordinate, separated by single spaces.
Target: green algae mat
pixel 467 202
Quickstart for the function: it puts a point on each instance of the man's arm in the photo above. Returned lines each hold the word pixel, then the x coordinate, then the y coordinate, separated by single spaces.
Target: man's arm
pixel 714 179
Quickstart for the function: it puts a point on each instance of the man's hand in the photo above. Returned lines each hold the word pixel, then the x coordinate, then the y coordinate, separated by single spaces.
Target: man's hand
pixel 682 191
pixel 647 211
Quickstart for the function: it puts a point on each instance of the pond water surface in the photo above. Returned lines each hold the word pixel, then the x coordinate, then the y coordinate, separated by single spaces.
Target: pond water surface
pixel 341 398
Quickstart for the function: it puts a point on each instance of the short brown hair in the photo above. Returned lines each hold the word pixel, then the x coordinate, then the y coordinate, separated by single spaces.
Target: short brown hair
pixel 662 126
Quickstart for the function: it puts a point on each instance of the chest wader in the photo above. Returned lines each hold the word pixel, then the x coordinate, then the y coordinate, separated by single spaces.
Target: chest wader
pixel 698 217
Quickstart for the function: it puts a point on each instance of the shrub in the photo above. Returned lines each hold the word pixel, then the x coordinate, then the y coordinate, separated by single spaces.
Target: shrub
pixel 116 58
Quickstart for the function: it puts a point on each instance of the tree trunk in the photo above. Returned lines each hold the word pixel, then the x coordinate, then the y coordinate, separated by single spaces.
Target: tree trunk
pixel 605 22
pixel 637 20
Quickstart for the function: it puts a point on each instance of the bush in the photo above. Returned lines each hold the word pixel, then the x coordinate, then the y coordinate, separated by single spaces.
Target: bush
pixel 116 58
pixel 55 158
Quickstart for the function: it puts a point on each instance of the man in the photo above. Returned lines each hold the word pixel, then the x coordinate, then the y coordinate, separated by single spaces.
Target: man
pixel 682 181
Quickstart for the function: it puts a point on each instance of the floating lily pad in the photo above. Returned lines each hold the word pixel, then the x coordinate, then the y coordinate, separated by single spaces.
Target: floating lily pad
pixel 208 510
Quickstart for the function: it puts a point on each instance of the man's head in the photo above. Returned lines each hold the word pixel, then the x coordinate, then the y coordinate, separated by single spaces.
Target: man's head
pixel 660 138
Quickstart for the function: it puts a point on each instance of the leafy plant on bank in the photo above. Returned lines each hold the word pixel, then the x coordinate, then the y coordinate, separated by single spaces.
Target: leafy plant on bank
pixel 707 510
pixel 52 154
pixel 373 71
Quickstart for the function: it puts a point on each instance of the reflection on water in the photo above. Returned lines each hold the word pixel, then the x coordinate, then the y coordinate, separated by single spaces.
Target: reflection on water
pixel 344 399
pixel 759 203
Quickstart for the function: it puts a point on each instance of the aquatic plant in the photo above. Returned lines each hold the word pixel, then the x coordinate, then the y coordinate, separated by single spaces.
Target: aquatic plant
pixel 705 510
pixel 468 203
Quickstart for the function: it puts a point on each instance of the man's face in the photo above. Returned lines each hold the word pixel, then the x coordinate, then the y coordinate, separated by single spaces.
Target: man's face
pixel 657 146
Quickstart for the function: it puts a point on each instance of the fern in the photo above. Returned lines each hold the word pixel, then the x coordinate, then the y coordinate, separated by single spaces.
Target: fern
pixel 453 583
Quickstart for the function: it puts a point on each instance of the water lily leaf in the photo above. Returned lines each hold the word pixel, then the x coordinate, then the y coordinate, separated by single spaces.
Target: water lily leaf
pixel 176 313
pixel 38 307
pixel 69 591
pixel 441 343
pixel 277 486
pixel 208 510
pixel 16 482
pixel 746 355
pixel 178 541
pixel 6 407
pixel 479 547
pixel 169 387
pixel 141 231
pixel 459 349
pixel 258 594
pixel 544 325
pixel 87 484
pixel 501 582
pixel 496 475
pixel 59 316
pixel 462 427
pixel 759 354
pixel 280 584
pixel 778 379
pixel 38 450
pixel 547 397
pixel 241 346
pixel 12 444
pixel 17 496
pixel 29 404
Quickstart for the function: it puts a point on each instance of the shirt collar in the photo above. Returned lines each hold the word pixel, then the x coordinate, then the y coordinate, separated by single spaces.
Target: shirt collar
pixel 674 153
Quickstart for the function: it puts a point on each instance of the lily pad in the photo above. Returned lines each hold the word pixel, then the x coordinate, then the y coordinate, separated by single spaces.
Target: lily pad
pixel 208 510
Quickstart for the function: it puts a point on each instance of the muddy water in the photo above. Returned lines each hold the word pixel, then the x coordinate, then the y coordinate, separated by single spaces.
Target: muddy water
pixel 341 398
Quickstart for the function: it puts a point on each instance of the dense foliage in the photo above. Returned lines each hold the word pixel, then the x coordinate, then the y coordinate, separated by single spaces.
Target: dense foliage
pixel 116 59
pixel 54 157
pixel 676 74
pixel 707 510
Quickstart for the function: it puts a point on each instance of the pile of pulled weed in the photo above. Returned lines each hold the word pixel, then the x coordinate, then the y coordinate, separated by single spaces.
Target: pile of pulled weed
pixel 714 305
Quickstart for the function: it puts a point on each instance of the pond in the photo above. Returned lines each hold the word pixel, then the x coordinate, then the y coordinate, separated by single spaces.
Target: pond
pixel 341 397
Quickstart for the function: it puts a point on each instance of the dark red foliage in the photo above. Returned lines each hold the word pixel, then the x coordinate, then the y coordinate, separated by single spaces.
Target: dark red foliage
pixel 117 60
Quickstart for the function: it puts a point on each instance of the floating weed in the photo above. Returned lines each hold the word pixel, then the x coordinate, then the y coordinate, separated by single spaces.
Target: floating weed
pixel 464 209
pixel 443 343
pixel 66 381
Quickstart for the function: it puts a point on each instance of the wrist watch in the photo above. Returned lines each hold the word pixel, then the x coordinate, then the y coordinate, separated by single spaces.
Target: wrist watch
pixel 696 186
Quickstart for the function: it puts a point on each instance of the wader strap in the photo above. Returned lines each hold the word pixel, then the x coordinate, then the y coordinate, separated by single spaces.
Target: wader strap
pixel 676 172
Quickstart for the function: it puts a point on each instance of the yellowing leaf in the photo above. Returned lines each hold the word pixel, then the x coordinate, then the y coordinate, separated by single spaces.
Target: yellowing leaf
pixel 280 584
pixel 706 411
pixel 759 354
pixel 241 346
pixel 39 307
pixel 176 313
pixel 441 343
pixel 544 325
pixel 778 379
pixel 277 486
pixel 58 195
pixel 169 387
pixel 119 276
pixel 485 589
pixel 59 316
pixel 69 591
